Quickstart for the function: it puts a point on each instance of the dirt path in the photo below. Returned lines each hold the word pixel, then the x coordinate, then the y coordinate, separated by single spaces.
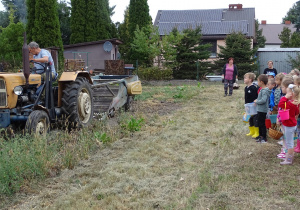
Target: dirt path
pixel 186 156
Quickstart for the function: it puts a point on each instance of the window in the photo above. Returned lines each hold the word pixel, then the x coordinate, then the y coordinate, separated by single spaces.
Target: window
pixel 213 48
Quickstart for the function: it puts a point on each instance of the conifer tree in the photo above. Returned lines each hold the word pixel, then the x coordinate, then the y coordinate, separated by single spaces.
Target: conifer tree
pixel 260 39
pixel 138 15
pixel 45 28
pixel 169 46
pixel 123 31
pixel 285 37
pixel 90 20
pixel 78 21
pixel 289 39
pixel 104 21
pixel 190 50
pixel 30 18
pixel 239 48
pixel 91 24
pixel 64 16
pixel 145 48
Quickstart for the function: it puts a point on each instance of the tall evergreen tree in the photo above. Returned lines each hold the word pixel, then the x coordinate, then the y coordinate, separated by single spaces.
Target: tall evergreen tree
pixel 104 21
pixel 91 25
pixel 46 29
pixel 292 14
pixel 64 16
pixel 78 21
pixel 239 48
pixel 260 39
pixel 30 18
pixel 138 16
pixel 90 20
pixel 123 31
pixel 190 51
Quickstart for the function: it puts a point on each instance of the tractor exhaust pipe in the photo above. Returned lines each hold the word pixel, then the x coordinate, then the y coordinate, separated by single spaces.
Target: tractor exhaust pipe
pixel 25 55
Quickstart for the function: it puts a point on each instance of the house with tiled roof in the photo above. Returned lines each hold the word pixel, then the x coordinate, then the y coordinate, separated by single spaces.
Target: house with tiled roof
pixel 216 24
pixel 271 32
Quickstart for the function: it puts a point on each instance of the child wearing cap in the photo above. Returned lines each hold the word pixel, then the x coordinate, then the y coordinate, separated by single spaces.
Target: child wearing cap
pixel 271 75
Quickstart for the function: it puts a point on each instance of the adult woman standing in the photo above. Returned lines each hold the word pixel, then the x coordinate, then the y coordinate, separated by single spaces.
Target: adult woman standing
pixel 230 75
pixel 270 68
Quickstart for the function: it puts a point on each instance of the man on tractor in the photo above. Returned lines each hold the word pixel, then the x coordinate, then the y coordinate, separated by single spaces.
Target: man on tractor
pixel 38 56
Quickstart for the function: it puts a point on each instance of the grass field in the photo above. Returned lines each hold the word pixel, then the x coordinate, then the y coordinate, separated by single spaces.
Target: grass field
pixel 184 147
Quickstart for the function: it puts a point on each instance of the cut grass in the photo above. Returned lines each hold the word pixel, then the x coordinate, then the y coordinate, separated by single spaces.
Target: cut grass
pixel 192 155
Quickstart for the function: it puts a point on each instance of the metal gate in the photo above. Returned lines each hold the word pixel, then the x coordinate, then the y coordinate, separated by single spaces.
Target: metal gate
pixel 279 56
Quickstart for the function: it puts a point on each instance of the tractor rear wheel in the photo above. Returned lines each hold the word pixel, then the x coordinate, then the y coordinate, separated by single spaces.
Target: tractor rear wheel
pixel 77 103
pixel 38 123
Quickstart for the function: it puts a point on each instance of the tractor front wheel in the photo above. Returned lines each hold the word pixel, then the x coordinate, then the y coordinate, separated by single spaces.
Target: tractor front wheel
pixel 38 123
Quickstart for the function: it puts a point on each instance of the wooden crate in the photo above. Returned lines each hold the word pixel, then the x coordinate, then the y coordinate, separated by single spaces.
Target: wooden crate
pixel 114 67
pixel 74 64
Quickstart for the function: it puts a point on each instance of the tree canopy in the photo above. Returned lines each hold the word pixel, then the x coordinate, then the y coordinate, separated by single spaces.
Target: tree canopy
pixel 20 9
pixel 289 39
pixel 64 16
pixel 11 42
pixel 260 39
pixel 145 48
pixel 239 48
pixel 138 16
pixel 190 51
pixel 90 21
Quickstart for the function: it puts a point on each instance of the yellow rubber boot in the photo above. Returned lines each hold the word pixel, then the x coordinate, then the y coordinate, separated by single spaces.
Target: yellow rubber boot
pixel 256 132
pixel 251 128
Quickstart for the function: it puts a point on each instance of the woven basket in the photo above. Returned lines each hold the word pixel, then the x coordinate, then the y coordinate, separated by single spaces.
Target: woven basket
pixel 274 133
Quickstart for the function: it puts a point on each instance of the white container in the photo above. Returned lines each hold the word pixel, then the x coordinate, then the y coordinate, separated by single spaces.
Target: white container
pixel 214 78
pixel 251 109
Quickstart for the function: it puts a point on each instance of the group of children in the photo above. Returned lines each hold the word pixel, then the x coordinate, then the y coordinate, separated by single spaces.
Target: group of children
pixel 272 93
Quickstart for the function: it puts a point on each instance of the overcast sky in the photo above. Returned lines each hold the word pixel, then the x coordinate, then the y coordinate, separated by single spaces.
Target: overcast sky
pixel 271 10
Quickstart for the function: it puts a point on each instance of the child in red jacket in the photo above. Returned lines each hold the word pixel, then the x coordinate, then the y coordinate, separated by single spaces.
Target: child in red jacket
pixel 291 102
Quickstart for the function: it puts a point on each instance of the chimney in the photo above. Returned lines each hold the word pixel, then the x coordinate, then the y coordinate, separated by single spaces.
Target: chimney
pixel 235 6
pixel 264 22
pixel 287 22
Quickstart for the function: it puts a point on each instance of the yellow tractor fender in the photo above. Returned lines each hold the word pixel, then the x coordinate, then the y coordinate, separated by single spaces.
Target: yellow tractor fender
pixel 68 77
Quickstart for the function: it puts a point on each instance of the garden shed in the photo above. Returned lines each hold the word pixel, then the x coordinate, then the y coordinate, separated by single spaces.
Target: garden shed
pixel 280 57
pixel 94 54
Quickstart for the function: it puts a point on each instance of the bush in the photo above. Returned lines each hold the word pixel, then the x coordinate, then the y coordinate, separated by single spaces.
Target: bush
pixel 155 73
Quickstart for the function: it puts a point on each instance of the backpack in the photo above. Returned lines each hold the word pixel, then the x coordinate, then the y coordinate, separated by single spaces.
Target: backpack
pixel 271 100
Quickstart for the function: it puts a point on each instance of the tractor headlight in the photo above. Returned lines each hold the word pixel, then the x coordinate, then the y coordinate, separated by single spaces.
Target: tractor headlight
pixel 18 90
